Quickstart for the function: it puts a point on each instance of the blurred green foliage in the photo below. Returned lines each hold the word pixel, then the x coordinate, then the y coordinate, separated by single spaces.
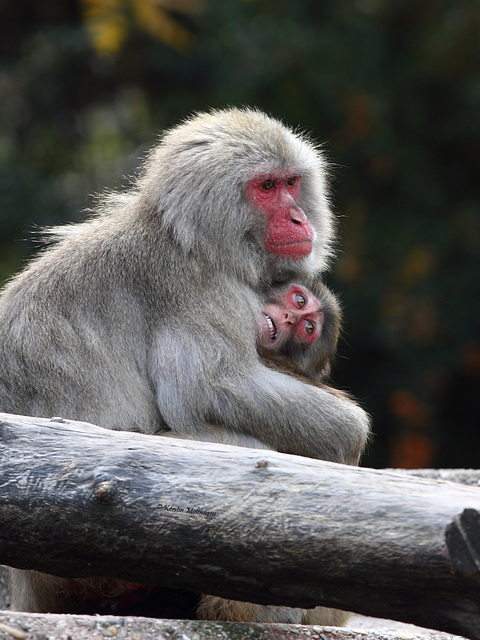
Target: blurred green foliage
pixel 393 88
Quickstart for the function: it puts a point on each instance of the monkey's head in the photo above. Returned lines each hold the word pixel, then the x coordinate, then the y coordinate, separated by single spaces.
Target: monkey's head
pixel 291 315
pixel 299 328
pixel 245 193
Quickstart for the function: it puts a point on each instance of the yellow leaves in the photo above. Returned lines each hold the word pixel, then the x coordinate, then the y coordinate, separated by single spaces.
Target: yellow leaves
pixel 108 22
pixel 161 25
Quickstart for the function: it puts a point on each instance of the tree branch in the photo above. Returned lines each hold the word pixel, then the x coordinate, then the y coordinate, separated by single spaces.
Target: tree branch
pixel 77 500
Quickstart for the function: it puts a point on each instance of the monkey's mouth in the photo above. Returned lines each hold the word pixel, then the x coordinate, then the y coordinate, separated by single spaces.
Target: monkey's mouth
pixel 271 327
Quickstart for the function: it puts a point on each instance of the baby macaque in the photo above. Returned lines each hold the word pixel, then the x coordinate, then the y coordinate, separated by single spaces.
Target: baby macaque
pixel 294 316
pixel 299 329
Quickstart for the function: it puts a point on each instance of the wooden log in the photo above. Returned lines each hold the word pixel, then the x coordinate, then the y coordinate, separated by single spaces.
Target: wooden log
pixel 462 476
pixel 254 525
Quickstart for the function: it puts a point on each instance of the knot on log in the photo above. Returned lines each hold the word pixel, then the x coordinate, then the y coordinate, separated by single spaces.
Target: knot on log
pixel 462 537
pixel 105 491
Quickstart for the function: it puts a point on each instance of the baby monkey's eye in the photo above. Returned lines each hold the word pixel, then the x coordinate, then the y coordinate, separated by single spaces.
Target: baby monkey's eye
pixel 268 184
pixel 292 181
pixel 300 300
pixel 309 328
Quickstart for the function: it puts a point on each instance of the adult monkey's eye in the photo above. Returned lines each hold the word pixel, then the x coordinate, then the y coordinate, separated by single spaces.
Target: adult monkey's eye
pixel 291 182
pixel 268 184
pixel 309 328
pixel 300 300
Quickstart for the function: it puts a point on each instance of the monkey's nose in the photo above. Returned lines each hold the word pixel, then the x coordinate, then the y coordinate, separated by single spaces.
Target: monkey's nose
pixel 297 216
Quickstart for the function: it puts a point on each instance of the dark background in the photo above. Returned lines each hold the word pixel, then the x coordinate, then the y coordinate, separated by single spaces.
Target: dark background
pixel 392 88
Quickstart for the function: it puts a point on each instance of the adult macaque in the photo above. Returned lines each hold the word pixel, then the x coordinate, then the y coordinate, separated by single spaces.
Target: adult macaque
pixel 144 317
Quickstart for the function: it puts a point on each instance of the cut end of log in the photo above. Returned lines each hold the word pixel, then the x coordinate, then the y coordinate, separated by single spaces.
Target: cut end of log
pixel 462 537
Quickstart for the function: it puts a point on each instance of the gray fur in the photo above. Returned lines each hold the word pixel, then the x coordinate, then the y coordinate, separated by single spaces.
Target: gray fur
pixel 143 318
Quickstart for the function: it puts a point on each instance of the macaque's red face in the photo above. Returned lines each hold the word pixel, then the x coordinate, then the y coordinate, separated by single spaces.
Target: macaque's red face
pixel 289 233
pixel 296 315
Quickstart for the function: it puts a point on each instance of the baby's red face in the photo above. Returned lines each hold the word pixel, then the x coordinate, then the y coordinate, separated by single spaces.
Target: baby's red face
pixel 296 315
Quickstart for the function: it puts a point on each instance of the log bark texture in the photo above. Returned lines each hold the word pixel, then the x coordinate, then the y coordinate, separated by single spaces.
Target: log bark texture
pixel 77 500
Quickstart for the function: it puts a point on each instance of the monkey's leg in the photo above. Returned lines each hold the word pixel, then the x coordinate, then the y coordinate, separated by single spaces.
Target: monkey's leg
pixel 214 608
pixel 326 617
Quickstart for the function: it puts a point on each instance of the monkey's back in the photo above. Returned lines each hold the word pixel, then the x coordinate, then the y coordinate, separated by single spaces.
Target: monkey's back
pixel 61 353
